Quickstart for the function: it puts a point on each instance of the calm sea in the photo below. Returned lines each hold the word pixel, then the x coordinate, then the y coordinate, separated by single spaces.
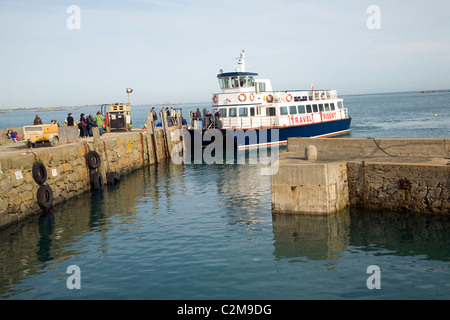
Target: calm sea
pixel 206 232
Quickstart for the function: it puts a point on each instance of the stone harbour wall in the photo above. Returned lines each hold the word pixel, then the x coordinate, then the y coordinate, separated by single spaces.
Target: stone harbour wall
pixel 410 175
pixel 67 176
pixel 68 170
pixel 423 188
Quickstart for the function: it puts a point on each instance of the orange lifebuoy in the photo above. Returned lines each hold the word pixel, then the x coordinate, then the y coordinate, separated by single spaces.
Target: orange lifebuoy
pixel 215 99
pixel 242 97
pixel 269 98
pixel 252 96
pixel 289 98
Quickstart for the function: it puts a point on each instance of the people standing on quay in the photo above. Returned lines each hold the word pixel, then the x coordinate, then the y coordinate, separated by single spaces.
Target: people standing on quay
pixel 209 121
pixel 90 124
pixel 198 114
pixel 217 123
pixel 69 120
pixel 37 121
pixel 82 126
pixel 154 115
pixel 100 122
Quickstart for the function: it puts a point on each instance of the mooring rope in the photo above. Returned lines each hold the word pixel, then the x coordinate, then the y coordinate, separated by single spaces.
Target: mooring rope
pixel 379 147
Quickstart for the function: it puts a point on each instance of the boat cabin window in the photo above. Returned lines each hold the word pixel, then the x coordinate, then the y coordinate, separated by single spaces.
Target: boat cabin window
pixel 315 108
pixel 243 112
pixel 246 82
pixel 340 105
pixel 308 108
pixel 270 111
pixel 224 83
pixel 327 107
pixel 283 111
pixel 252 111
pixel 321 109
pixel 234 82
pixel 261 87
pixel 301 109
pixel 223 112
pixel 250 82
pixel 332 106
pixel 232 112
pixel 292 109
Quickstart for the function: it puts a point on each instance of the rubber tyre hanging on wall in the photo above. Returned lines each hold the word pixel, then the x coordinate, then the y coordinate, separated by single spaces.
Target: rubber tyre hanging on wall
pixel 112 178
pixel 39 172
pixel 45 197
pixel 97 183
pixel 93 159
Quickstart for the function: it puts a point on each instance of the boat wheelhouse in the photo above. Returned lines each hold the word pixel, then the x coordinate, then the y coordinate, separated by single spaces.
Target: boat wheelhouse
pixel 247 102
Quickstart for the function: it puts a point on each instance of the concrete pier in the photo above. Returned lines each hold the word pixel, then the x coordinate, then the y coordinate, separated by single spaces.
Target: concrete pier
pixel 410 175
pixel 67 169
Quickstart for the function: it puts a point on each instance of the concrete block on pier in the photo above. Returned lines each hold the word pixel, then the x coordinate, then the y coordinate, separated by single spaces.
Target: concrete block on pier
pixel 410 175
pixel 310 188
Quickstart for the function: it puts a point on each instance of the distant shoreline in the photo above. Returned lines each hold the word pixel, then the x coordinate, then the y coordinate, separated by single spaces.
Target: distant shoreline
pixel 37 109
pixel 434 91
pixel 70 108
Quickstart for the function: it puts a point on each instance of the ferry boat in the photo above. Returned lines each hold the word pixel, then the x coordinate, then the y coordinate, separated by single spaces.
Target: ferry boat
pixel 247 102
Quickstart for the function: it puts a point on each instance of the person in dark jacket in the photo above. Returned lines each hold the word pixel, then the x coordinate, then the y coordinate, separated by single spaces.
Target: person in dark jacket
pixel 90 123
pixel 70 120
pixel 82 125
pixel 37 120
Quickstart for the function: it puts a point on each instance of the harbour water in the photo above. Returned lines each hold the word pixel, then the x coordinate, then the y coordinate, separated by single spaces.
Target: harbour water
pixel 206 232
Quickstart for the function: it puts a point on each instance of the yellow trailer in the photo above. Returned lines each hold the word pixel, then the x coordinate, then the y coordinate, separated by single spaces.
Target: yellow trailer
pixel 41 134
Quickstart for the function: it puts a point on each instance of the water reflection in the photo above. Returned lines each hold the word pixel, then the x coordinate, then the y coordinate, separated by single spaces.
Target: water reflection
pixel 46 228
pixel 402 234
pixel 51 238
pixel 327 237
pixel 316 237
pixel 165 182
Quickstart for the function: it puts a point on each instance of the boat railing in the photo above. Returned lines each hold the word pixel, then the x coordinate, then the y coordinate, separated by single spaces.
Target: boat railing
pixel 235 123
pixel 249 122
pixel 345 113
pixel 297 96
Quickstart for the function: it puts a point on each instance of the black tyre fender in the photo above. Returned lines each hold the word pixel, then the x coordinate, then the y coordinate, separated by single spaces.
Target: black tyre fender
pixel 93 159
pixel 97 181
pixel 45 197
pixel 112 178
pixel 39 172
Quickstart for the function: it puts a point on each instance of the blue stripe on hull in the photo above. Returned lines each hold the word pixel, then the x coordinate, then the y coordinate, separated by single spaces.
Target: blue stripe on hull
pixel 305 131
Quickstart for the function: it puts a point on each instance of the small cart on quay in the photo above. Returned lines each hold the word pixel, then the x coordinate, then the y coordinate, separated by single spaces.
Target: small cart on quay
pixel 118 116
pixel 41 134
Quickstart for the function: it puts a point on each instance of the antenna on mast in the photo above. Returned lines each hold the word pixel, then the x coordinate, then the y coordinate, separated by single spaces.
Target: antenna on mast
pixel 241 62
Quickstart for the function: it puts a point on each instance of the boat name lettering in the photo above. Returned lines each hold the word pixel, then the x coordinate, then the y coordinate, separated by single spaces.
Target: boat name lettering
pixel 301 119
pixel 329 116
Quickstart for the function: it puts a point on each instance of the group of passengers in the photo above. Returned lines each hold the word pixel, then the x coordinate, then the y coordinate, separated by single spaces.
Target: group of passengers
pixel 210 121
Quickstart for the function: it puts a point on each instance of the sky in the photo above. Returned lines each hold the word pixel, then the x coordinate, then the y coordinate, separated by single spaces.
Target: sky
pixel 172 51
